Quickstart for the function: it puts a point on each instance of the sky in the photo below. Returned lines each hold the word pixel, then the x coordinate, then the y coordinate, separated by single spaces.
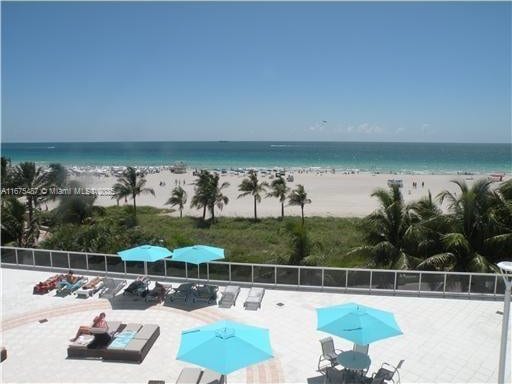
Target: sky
pixel 332 71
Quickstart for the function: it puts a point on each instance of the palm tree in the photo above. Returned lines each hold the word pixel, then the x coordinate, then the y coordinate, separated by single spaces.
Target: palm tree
pixel 75 208
pixel 279 190
pixel 178 198
pixel 216 197
pixel 131 184
pixel 13 221
pixel 390 232
pixel 36 181
pixel 299 197
pixel 201 191
pixel 251 186
pixel 471 225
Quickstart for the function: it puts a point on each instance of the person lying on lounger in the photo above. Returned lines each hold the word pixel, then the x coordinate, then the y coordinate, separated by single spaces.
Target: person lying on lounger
pixel 68 280
pixel 98 322
pixel 159 291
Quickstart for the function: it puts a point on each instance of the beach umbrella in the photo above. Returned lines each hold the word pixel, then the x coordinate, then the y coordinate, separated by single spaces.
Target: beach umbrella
pixel 225 346
pixel 197 254
pixel 357 323
pixel 145 253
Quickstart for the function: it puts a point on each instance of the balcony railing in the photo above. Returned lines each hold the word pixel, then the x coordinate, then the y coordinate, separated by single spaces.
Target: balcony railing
pixel 419 283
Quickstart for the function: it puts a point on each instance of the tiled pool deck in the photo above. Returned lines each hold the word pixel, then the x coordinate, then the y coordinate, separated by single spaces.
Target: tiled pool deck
pixel 444 340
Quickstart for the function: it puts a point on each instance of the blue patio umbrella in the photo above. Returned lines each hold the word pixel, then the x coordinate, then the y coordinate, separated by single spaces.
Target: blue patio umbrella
pixel 225 346
pixel 145 253
pixel 197 254
pixel 357 323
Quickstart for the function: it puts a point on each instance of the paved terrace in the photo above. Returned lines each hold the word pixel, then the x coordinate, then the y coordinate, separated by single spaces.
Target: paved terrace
pixel 444 341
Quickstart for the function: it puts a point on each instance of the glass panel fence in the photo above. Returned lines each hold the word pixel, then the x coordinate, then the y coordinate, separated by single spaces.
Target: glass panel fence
pixel 8 256
pixel 457 283
pixel 60 259
pixel 408 282
pixel 219 272
pixel 335 278
pixel 264 275
pixel 203 271
pixel 115 264
pixel 384 280
pixel 96 262
pixel 25 257
pixel 500 286
pixel 311 277
pixel 241 273
pixel 156 268
pixel 288 276
pixel 175 269
pixel 42 258
pixel 482 284
pixel 359 279
pixel 192 271
pixel 77 261
pixel 432 282
pixel 135 267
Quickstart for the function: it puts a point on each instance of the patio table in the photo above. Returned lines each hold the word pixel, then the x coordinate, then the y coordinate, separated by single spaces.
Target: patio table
pixel 354 360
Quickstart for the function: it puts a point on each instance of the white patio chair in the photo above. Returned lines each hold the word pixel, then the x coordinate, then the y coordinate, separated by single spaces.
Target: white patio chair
pixel 387 372
pixel 329 353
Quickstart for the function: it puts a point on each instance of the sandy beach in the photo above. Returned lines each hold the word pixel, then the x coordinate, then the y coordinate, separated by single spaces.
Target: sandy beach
pixel 340 195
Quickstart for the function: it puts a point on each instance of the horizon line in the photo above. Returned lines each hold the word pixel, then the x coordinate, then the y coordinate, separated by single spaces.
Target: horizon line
pixel 249 141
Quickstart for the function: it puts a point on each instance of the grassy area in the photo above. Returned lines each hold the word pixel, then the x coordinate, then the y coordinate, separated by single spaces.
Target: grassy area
pixel 265 241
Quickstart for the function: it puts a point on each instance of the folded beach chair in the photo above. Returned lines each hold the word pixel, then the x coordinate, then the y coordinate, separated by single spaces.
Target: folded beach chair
pixel 138 287
pixel 45 286
pixel 70 288
pixel 182 292
pixel 90 288
pixel 111 287
pixel 253 301
pixel 189 376
pixel 229 296
pixel 206 293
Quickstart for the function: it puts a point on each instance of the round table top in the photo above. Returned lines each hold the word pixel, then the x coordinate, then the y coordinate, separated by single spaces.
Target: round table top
pixel 354 360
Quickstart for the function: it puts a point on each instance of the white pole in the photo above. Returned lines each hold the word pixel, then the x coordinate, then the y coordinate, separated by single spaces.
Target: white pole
pixel 506 273
pixel 504 333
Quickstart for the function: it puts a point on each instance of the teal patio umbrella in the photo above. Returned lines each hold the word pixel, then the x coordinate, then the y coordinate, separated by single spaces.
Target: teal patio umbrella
pixel 145 253
pixel 357 323
pixel 197 254
pixel 225 346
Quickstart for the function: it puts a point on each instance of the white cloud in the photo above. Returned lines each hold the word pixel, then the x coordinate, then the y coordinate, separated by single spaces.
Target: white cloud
pixel 399 130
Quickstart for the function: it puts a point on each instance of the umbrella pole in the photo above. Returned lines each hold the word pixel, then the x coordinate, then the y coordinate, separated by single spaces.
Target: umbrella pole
pixel 145 268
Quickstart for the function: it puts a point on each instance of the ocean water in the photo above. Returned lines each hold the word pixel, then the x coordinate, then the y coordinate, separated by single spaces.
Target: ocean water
pixel 374 157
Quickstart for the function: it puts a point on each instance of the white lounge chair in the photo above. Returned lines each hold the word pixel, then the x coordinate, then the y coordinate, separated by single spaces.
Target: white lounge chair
pixel 229 296
pixel 210 377
pixel 253 301
pixel 189 376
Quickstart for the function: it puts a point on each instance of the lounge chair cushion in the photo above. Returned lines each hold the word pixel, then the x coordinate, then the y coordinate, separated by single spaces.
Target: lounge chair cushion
pixel 146 331
pixel 135 345
pixel 132 327
pixel 189 376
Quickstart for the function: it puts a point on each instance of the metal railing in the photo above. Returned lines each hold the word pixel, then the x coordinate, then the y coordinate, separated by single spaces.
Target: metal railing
pixel 419 283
